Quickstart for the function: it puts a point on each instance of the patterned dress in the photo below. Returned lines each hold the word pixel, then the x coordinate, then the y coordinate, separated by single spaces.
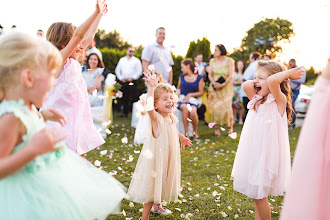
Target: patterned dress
pixel 220 101
pixel 237 99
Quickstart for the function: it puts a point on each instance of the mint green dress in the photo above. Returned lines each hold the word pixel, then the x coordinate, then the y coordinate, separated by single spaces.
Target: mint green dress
pixel 58 185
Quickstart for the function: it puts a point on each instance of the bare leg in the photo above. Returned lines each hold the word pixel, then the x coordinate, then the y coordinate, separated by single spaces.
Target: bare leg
pixel 263 208
pixel 194 118
pixel 230 128
pixel 185 115
pixel 235 114
pixel 216 131
pixel 146 210
pixel 241 113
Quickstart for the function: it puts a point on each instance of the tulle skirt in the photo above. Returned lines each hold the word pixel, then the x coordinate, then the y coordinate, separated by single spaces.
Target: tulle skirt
pixel 68 187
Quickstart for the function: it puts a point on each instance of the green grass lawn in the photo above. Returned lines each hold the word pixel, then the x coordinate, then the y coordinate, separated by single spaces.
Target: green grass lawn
pixel 206 167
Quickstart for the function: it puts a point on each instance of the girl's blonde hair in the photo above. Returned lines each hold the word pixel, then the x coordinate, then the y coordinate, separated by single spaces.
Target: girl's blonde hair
pixel 19 51
pixel 162 87
pixel 160 76
pixel 273 67
pixel 60 33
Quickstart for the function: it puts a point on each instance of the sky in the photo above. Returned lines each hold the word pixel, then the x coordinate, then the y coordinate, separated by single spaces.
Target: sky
pixel 224 22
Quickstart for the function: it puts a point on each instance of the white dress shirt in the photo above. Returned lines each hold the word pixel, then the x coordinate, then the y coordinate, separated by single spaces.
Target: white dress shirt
pixel 128 68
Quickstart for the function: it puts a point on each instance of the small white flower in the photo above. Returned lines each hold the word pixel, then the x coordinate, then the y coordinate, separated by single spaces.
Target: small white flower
pixel 97 163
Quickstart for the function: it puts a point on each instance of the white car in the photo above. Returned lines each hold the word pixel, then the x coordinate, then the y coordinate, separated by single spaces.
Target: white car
pixel 304 99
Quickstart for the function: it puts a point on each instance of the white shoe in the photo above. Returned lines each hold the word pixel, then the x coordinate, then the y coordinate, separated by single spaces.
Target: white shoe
pixel 160 210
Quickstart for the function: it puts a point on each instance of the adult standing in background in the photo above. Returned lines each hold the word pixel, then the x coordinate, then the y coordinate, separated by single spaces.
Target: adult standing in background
pixel 92 49
pixel 40 33
pixel 159 56
pixel 221 93
pixel 199 63
pixel 237 99
pixel 249 75
pixel 295 87
pixel 128 70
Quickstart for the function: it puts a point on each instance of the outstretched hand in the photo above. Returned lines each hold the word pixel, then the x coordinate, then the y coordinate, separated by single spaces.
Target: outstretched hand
pixel 296 73
pixel 101 7
pixel 184 141
pixel 54 115
pixel 150 78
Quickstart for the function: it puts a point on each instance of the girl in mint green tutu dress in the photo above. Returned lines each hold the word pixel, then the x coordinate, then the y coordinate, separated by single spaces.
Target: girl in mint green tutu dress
pixel 39 177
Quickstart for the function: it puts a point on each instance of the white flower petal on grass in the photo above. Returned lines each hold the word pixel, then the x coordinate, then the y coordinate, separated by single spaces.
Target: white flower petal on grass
pixel 229 208
pixel 188 119
pixel 189 189
pixel 215 193
pixel 97 163
pixel 136 151
pixel 189 107
pixel 150 104
pixel 119 168
pixel 124 140
pixel 222 129
pixel 131 84
pixel 129 218
pixel 197 195
pixel 123 212
pixel 103 152
pixel 223 214
pixel 113 173
pixel 178 209
pixel 233 135
pixel 131 204
pixel 110 155
pixel 222 188
pixel 180 195
pixel 108 131
pixel 235 216
pixel 151 67
pixel 147 154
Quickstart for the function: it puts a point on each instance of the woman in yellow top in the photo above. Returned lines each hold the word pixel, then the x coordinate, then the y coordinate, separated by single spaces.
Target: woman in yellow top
pixel 221 94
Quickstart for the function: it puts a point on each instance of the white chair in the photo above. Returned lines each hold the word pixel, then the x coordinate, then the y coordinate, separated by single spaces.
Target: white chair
pixel 180 126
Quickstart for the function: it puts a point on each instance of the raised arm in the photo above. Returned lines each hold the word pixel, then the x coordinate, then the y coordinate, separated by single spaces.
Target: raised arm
pixel 91 32
pixel 274 81
pixel 81 31
pixel 248 87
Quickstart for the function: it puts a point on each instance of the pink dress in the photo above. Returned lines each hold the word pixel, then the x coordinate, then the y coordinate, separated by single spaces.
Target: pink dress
pixel 308 194
pixel 69 96
pixel 262 164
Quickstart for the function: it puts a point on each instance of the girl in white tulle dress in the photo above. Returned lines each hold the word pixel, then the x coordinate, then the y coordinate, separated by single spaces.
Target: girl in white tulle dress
pixel 262 165
pixel 158 171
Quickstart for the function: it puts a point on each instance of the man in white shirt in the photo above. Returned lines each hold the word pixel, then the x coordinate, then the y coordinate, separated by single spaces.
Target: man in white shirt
pixel 159 56
pixel 249 75
pixel 199 63
pixel 93 49
pixel 128 70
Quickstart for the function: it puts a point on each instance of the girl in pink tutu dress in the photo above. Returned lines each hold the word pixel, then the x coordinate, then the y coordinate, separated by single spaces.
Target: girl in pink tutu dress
pixel 69 95
pixel 262 163
pixel 308 194
pixel 158 171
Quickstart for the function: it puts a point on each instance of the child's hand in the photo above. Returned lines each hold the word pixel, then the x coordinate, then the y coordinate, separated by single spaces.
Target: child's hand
pixel 54 115
pixel 101 7
pixel 151 79
pixel 184 141
pixel 296 73
pixel 44 141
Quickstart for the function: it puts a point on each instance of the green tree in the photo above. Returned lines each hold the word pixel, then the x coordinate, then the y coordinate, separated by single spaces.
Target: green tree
pixel 201 46
pixel 265 37
pixel 110 40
